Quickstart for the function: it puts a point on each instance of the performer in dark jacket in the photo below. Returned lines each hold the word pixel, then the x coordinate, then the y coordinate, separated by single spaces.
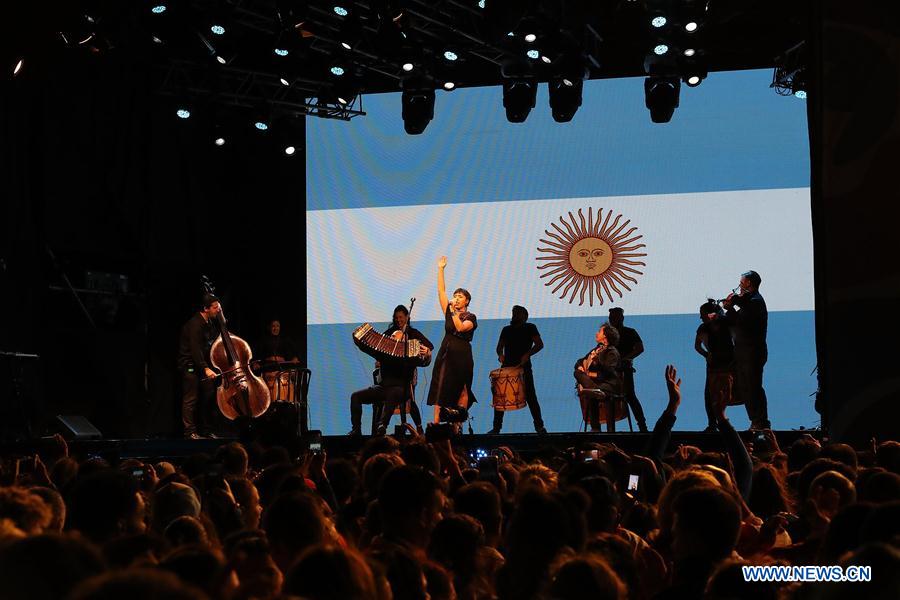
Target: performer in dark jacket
pixel 599 370
pixel 630 346
pixel 747 314
pixel 197 383
pixel 397 381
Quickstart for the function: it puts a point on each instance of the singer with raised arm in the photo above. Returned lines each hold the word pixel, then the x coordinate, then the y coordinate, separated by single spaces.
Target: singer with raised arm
pixel 451 381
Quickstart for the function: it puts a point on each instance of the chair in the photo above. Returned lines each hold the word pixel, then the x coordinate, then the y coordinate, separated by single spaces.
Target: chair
pixel 612 408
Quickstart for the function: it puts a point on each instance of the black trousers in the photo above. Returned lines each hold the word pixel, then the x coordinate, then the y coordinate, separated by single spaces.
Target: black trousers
pixel 384 400
pixel 631 398
pixel 587 383
pixel 748 383
pixel 197 400
pixel 530 399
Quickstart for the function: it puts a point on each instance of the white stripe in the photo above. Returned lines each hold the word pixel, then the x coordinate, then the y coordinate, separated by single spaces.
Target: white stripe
pixel 362 262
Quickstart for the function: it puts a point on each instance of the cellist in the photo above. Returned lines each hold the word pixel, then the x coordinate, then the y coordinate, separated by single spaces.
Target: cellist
pixel 197 378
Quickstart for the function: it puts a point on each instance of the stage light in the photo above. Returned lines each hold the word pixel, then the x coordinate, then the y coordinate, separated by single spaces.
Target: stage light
pixel 289 150
pixel 418 109
pixel 519 97
pixel 565 98
pixel 281 52
pixel 19 65
pixel 220 59
pixel 660 49
pixel 407 66
pixel 337 71
pixel 346 46
pixel 689 52
pixel 546 59
pixel 284 81
pixel 449 86
pixel 220 141
pixel 480 3
pixel 183 113
pixel 693 80
pixel 261 125
pixel 217 29
pixel 661 97
pixel 690 26
pixel 341 11
pixel 658 21
pixel 158 9
pixel 530 38
pixel 450 55
pixel 533 54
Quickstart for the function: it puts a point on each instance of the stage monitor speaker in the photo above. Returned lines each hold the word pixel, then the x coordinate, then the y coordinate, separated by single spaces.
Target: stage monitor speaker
pixel 76 427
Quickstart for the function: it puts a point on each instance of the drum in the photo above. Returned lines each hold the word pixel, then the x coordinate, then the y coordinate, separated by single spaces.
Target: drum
pixel 282 379
pixel 508 387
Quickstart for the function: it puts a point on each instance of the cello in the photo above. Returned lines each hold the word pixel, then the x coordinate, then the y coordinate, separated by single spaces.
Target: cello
pixel 240 393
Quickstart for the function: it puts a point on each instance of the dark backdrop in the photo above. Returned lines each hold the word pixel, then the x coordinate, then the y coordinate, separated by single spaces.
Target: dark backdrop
pixel 98 175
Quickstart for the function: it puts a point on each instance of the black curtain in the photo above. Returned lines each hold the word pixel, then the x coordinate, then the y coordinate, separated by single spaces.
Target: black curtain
pixel 108 194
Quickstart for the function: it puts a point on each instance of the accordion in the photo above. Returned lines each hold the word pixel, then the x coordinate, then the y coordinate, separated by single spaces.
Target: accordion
pixel 385 347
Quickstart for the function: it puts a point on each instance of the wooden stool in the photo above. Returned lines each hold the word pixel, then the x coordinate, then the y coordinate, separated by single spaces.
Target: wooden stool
pixel 612 408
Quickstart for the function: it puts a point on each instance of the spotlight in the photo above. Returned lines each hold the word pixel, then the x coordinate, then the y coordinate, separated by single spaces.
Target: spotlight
pixel 281 52
pixel 289 150
pixel 798 84
pixel 337 71
pixel 183 113
pixel 217 29
pixel 261 125
pixel 346 46
pixel 407 66
pixel 220 141
pixel 693 74
pixel 660 49
pixel 418 109
pixel 519 96
pixel 661 97
pixel 533 54
pixel 658 21
pixel 530 38
pixel 449 86
pixel 220 59
pixel 689 52
pixel 480 3
pixel 450 55
pixel 565 98
pixel 284 82
pixel 546 59
pixel 158 9
pixel 341 11
pixel 18 68
pixel 690 26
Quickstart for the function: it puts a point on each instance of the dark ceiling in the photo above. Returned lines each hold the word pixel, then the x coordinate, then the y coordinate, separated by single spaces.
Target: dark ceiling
pixel 369 43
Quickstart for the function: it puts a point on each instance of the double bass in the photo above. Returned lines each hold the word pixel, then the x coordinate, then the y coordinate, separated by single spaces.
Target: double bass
pixel 240 393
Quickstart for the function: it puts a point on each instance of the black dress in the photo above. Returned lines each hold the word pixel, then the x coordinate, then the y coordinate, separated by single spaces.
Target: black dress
pixel 453 367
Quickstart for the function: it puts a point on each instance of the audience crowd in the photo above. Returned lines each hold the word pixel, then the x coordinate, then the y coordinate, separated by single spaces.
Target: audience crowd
pixel 411 519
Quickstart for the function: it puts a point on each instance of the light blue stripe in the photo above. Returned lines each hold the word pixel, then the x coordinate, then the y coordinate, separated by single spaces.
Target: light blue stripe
pixel 731 133
pixel 339 368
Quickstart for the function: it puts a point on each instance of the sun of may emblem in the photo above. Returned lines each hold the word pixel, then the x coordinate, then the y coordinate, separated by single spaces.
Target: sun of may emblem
pixel 591 257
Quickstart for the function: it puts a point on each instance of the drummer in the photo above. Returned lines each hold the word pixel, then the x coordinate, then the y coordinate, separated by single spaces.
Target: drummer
pixel 274 347
pixel 518 342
